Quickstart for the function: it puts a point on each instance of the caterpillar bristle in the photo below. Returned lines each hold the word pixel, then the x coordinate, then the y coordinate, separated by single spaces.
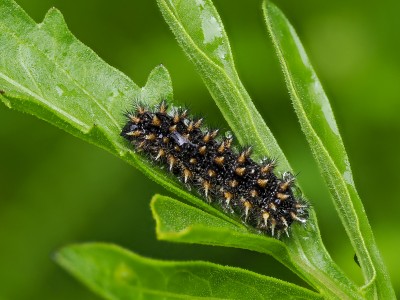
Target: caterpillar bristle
pixel 209 164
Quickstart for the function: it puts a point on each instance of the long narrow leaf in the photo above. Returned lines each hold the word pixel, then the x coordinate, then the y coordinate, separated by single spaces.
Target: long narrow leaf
pixel 199 30
pixel 115 273
pixel 320 128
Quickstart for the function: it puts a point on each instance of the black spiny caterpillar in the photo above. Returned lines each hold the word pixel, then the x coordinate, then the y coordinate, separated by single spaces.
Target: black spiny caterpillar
pixel 198 158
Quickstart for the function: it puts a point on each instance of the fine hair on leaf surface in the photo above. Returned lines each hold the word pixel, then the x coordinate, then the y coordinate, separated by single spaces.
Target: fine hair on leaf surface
pixel 56 78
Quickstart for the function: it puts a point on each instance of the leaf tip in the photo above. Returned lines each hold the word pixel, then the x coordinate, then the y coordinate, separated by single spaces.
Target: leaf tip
pixel 158 86
pixel 64 256
pixel 55 18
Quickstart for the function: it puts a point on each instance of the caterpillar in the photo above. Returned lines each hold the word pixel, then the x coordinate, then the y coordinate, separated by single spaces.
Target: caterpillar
pixel 220 172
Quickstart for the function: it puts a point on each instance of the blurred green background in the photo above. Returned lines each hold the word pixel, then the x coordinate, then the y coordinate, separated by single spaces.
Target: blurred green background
pixel 56 189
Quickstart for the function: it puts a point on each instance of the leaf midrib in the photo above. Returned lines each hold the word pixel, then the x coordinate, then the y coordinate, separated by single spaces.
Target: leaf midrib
pixel 253 129
pixel 326 154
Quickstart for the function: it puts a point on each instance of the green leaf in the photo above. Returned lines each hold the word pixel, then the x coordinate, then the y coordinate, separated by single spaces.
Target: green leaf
pixel 178 222
pixel 47 72
pixel 318 123
pixel 158 86
pixel 199 30
pixel 115 273
pixel 177 217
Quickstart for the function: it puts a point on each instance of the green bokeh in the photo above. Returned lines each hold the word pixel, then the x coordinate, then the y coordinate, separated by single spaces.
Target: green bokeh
pixel 56 189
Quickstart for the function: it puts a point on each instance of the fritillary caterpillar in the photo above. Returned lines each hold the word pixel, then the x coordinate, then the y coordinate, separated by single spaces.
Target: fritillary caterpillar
pixel 213 167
